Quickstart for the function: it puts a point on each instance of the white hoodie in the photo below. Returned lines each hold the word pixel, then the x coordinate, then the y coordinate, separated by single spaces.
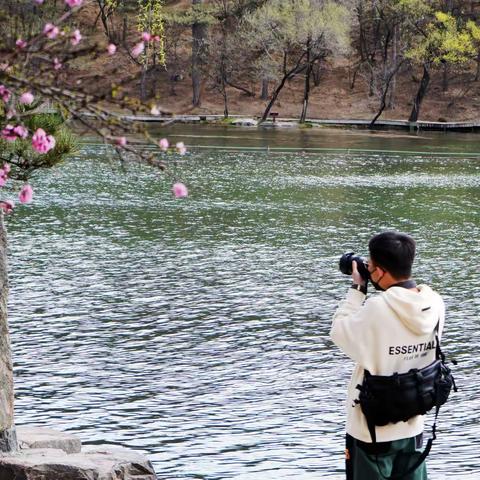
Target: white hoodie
pixel 392 332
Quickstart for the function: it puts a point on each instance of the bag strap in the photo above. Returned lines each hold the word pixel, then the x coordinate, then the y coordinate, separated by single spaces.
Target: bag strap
pixel 371 426
pixel 420 459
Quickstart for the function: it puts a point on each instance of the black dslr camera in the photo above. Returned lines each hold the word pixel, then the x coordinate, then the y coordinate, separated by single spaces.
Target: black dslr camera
pixel 345 265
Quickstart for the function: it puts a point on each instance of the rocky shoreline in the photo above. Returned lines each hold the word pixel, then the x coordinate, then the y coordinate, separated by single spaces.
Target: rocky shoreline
pixel 46 454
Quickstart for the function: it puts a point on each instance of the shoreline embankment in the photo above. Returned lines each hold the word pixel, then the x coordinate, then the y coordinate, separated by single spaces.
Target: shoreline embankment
pixel 285 122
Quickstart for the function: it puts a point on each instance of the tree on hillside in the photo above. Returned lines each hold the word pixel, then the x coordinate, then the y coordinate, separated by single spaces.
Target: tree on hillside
pixel 150 23
pixel 197 19
pixel 321 35
pixel 293 36
pixel 443 39
pixel 386 28
pixel 229 61
pixel 199 50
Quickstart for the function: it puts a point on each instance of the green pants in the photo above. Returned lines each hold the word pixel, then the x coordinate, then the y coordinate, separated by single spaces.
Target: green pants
pixel 393 458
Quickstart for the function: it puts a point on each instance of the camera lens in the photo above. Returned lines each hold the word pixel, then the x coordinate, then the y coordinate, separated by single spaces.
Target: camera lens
pixel 345 265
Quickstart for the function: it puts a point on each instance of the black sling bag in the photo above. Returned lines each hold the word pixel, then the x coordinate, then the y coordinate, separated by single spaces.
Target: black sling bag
pixel 399 397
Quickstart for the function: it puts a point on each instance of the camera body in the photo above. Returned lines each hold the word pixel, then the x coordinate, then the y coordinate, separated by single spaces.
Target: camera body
pixel 345 265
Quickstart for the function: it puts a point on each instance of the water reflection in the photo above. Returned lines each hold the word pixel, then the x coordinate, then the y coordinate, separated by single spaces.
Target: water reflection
pixel 196 331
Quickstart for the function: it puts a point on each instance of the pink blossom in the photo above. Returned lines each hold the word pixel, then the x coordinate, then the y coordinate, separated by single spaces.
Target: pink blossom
pixel 73 3
pixel 7 206
pixel 5 93
pixel 138 49
pixel 39 2
pixel 112 48
pixel 26 98
pixel 121 141
pixel 20 131
pixel 50 30
pixel 8 133
pixel 146 37
pixel 179 190
pixel 21 43
pixel 57 64
pixel 6 168
pixel 181 148
pixel 76 37
pixel 156 38
pixel 11 112
pixel 41 142
pixel 3 177
pixel 163 144
pixel 26 194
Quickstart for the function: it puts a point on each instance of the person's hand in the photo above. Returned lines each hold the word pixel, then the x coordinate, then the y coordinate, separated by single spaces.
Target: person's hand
pixel 356 277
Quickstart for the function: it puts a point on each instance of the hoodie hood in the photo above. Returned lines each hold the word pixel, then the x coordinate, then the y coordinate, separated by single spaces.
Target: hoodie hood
pixel 418 311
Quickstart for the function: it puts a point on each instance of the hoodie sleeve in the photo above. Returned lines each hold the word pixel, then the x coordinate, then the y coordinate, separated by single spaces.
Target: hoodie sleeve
pixel 352 327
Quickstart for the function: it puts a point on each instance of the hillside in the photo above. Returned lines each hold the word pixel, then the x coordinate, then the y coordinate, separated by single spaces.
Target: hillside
pixel 332 99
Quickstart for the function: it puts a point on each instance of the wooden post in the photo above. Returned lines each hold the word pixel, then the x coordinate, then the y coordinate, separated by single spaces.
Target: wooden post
pixel 8 437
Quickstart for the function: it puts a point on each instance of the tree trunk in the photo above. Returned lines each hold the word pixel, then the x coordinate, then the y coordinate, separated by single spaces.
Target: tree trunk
pixel 264 94
pixel 273 99
pixel 445 78
pixel 383 103
pixel 124 30
pixel 223 85
pixel 103 17
pixel 422 90
pixel 371 82
pixel 277 91
pixel 8 437
pixel 393 86
pixel 316 72
pixel 143 83
pixel 306 90
pixel 199 47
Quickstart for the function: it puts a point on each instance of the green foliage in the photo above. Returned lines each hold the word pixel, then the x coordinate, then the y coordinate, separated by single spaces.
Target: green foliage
pixel 415 9
pixel 25 160
pixel 50 122
pixel 289 24
pixel 281 28
pixel 445 40
pixel 150 19
pixel 198 13
pixel 474 30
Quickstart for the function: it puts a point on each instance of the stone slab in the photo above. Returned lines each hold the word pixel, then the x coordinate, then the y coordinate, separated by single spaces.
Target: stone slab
pixel 98 463
pixel 40 437
pixel 244 122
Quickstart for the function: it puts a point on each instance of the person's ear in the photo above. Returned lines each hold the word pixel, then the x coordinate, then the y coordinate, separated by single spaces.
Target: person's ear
pixel 382 272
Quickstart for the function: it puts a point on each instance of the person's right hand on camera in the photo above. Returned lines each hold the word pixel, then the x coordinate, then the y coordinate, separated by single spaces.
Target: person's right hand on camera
pixel 356 277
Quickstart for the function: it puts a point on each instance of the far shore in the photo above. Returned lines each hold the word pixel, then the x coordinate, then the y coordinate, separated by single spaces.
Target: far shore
pixel 286 122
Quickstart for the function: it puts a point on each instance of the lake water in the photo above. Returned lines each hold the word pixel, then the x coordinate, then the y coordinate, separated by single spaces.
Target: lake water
pixel 196 330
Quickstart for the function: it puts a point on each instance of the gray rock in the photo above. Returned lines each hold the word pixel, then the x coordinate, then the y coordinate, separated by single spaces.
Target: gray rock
pixel 37 437
pixel 96 464
pixel 244 122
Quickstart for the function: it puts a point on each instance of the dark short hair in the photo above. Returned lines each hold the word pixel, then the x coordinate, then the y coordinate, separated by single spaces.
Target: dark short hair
pixel 394 252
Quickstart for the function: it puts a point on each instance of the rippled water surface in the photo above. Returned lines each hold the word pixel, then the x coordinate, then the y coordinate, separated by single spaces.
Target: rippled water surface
pixel 196 330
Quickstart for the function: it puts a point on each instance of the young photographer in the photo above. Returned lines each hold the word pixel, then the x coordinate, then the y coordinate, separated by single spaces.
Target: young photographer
pixel 389 333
